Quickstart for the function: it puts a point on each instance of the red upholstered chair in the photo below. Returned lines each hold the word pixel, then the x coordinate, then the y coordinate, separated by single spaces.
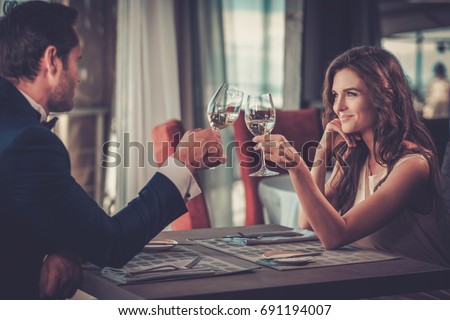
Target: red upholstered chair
pixel 302 128
pixel 165 138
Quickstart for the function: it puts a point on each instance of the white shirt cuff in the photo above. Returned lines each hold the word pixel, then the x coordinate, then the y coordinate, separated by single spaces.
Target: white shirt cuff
pixel 181 177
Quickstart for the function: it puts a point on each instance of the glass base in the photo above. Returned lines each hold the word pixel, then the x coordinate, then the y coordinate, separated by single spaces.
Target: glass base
pixel 214 168
pixel 264 172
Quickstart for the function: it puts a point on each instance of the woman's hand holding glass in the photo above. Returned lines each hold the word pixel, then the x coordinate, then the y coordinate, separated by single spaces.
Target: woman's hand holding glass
pixel 260 118
pixel 279 150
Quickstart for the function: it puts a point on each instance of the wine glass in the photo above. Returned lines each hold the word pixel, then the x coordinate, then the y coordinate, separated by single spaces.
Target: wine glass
pixel 260 120
pixel 224 107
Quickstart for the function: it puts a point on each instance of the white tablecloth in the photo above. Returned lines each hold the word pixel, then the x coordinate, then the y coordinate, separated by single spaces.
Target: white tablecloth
pixel 279 200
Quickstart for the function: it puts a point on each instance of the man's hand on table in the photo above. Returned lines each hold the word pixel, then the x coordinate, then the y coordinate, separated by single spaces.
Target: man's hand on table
pixel 60 276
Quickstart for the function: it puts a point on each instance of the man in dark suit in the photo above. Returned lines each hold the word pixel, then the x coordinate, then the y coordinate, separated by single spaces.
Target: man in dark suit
pixel 46 219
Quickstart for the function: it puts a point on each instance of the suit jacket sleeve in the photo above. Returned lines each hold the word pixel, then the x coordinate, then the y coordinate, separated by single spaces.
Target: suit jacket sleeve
pixel 44 195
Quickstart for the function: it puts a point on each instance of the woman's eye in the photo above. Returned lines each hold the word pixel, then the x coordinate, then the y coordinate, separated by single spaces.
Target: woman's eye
pixel 351 94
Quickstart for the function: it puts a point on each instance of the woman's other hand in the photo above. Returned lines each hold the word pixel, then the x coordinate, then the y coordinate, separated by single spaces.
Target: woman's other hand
pixel 333 136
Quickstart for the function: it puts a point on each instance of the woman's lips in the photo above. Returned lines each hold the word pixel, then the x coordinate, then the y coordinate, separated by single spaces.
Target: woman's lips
pixel 344 117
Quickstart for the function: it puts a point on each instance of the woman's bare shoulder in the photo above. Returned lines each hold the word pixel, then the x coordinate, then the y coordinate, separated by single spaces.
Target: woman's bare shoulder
pixel 414 164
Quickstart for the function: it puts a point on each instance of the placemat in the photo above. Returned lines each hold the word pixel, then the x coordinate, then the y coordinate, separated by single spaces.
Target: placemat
pixel 345 255
pixel 207 267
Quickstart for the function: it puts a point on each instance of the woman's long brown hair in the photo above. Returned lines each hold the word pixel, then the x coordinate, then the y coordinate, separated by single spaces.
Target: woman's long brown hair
pixel 396 121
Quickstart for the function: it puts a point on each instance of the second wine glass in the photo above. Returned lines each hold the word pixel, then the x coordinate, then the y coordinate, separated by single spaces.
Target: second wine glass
pixel 224 107
pixel 260 120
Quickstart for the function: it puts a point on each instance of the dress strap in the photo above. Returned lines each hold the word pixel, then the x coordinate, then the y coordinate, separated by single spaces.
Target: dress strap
pixel 409 156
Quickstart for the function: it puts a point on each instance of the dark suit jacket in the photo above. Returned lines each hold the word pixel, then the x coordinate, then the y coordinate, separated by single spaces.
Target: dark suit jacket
pixel 42 207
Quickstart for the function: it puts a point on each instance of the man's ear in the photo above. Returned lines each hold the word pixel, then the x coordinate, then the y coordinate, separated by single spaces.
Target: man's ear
pixel 51 62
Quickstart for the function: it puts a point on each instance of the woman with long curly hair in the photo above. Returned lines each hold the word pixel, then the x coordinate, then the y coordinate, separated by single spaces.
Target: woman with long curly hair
pixel 384 191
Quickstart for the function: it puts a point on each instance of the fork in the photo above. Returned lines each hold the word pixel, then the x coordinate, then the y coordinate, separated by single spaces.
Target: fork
pixel 169 267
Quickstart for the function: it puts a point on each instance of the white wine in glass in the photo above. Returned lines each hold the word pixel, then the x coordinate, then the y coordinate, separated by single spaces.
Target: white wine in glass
pixel 224 107
pixel 260 118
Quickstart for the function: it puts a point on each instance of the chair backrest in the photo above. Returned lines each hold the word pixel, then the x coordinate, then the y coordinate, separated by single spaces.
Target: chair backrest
pixel 445 171
pixel 439 131
pixel 166 137
pixel 301 127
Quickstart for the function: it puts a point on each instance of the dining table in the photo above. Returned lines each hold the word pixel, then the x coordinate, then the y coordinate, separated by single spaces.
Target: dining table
pixel 345 280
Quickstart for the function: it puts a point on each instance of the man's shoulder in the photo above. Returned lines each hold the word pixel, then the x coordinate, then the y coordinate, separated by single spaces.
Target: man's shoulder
pixel 25 134
pixel 32 148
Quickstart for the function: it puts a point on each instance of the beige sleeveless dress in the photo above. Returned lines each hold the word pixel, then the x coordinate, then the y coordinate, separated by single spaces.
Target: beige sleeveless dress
pixel 410 234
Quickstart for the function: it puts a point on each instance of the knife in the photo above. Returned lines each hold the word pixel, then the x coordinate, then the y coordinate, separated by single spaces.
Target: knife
pixel 296 255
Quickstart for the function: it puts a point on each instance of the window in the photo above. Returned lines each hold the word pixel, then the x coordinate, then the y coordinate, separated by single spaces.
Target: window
pixel 418 58
pixel 254 45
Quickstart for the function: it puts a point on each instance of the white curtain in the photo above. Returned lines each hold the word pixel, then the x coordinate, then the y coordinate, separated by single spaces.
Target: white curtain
pixel 203 70
pixel 147 90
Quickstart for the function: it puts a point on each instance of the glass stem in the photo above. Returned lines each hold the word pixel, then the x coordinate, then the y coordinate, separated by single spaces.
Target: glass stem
pixel 263 161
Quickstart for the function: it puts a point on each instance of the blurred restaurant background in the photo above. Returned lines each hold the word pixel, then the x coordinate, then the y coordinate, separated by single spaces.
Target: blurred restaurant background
pixel 148 61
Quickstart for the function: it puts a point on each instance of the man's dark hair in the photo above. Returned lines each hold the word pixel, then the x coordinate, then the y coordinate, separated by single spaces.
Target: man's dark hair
pixel 28 29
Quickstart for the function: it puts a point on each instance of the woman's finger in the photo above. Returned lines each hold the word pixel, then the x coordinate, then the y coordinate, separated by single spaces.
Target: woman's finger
pixel 335 126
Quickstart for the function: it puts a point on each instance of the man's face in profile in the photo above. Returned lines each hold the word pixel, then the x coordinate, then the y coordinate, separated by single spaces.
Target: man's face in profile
pixel 61 99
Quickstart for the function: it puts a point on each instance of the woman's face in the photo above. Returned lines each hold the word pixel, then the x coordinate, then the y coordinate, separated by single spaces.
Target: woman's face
pixel 352 103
